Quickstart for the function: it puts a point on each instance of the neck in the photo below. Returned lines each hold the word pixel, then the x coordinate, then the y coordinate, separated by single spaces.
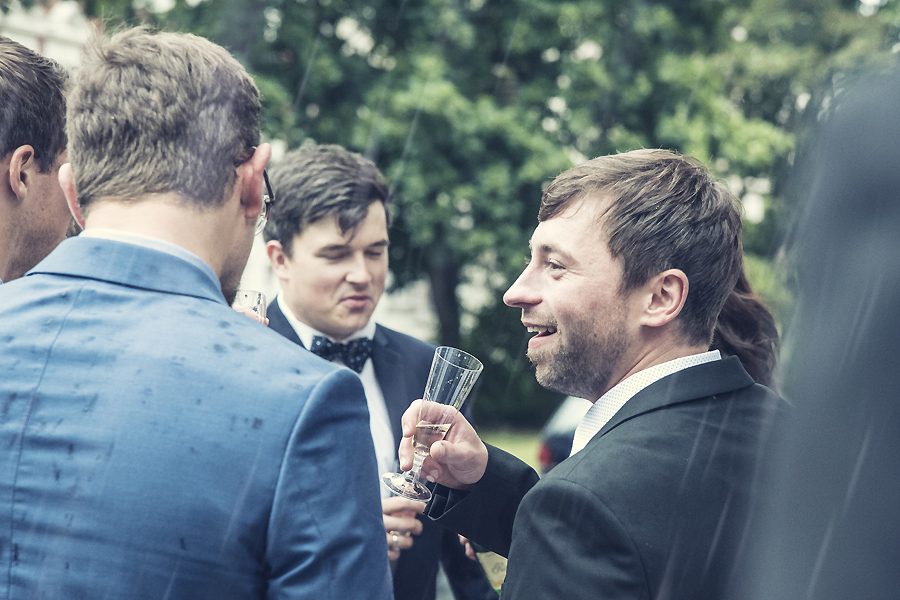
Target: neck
pixel 6 246
pixel 10 241
pixel 659 347
pixel 652 359
pixel 310 330
pixel 167 217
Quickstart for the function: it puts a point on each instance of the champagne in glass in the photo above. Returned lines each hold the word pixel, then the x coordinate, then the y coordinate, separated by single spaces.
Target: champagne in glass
pixel 427 434
pixel 453 374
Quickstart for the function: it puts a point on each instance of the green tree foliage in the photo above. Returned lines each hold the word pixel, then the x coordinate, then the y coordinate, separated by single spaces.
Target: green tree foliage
pixel 471 106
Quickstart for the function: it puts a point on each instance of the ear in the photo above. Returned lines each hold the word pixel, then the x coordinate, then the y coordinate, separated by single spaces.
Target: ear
pixel 67 183
pixel 21 165
pixel 665 296
pixel 277 258
pixel 251 181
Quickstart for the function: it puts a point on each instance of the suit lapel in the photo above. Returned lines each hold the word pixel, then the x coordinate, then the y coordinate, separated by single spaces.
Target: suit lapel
pixel 279 324
pixel 702 381
pixel 391 376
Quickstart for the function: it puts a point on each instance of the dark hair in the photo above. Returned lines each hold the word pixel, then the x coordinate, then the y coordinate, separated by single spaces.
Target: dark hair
pixel 746 329
pixel 319 181
pixel 32 103
pixel 159 113
pixel 665 212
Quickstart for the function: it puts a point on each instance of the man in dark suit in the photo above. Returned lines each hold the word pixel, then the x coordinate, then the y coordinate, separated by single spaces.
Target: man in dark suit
pixel 34 216
pixel 327 241
pixel 157 444
pixel 630 265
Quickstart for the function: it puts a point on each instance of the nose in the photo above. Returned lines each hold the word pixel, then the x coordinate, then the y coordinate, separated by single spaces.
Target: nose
pixel 524 290
pixel 359 273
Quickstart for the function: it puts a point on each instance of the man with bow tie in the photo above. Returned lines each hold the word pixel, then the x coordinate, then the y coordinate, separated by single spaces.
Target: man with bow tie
pixel 327 241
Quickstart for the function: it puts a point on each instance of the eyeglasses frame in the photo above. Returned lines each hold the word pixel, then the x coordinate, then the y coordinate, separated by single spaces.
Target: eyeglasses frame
pixel 268 200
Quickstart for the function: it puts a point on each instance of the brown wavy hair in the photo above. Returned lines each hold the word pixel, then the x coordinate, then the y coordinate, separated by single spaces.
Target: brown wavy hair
pixel 665 212
pixel 746 329
pixel 315 182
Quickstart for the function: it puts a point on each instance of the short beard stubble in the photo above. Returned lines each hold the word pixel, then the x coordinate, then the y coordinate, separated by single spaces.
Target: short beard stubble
pixel 584 363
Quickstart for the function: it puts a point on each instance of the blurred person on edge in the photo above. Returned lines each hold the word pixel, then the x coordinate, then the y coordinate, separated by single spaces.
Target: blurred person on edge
pixel 158 444
pixel 828 526
pixel 34 216
pixel 327 240
pixel 632 260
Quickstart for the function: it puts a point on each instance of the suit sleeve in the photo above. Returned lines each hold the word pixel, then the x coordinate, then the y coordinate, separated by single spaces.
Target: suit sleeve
pixel 568 544
pixel 486 513
pixel 326 534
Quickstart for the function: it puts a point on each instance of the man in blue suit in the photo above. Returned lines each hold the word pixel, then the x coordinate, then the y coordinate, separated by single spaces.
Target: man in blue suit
pixel 327 243
pixel 157 444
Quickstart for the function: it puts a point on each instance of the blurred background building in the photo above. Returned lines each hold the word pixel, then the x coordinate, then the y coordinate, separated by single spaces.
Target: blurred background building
pixel 57 29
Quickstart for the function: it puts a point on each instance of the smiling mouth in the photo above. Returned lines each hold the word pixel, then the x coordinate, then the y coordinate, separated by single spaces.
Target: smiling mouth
pixel 541 331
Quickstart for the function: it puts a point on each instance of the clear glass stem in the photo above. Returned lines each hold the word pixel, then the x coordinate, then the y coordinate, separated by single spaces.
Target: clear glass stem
pixel 418 459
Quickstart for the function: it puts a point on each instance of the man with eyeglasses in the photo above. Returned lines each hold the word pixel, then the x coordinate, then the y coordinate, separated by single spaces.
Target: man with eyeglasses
pixel 157 443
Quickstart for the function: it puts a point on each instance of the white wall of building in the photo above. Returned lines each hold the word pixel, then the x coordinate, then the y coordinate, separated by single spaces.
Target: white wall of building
pixel 55 29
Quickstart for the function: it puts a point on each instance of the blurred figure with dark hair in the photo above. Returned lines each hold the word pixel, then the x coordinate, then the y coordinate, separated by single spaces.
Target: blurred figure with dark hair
pixel 746 329
pixel 34 217
pixel 830 526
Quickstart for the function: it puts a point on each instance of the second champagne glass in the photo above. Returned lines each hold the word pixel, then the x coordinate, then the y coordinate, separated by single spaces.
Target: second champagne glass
pixel 252 301
pixel 453 374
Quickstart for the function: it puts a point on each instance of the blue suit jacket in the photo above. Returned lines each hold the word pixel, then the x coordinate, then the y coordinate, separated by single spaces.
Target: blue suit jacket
pixel 157 444
pixel 401 366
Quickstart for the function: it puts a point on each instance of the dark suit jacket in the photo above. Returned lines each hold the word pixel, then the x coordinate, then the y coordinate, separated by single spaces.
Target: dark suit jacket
pixel 653 507
pixel 157 444
pixel 401 366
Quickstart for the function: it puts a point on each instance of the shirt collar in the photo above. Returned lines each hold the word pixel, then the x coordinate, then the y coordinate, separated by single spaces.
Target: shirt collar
pixel 609 403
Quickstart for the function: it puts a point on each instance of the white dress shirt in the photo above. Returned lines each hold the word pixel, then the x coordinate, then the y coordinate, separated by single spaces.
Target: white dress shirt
pixel 609 403
pixel 379 422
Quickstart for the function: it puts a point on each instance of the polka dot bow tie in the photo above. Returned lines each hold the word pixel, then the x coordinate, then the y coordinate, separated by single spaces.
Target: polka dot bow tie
pixel 354 353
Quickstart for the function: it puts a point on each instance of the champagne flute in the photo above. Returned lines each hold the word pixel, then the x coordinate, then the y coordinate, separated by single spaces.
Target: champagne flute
pixel 453 373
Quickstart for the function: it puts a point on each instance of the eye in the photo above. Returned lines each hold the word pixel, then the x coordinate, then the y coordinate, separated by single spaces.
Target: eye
pixel 554 266
pixel 375 253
